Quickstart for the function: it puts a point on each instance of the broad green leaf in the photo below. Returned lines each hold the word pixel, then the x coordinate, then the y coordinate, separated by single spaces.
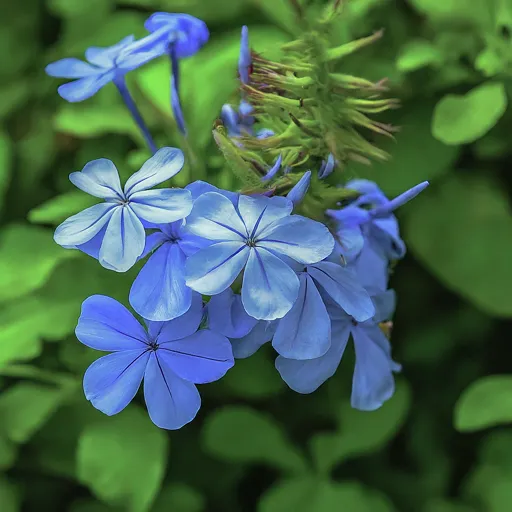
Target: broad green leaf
pixel 122 459
pixel 179 498
pixel 485 403
pixel 7 452
pixel 9 496
pixel 59 208
pixel 361 432
pixel 462 232
pixel 28 256
pixel 416 155
pixel 417 54
pixel 309 494
pixel 461 119
pixel 242 434
pixel 5 164
pixel 25 407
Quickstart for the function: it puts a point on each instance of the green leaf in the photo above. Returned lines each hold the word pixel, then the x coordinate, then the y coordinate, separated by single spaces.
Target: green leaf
pixel 281 12
pixel 417 54
pixel 13 94
pixel 439 505
pixel 485 403
pixel 28 256
pixel 462 232
pixel 489 62
pixel 59 208
pixel 416 155
pixel 9 497
pixel 361 432
pixel 84 505
pixel 5 164
pixel 179 498
pixel 122 459
pixel 7 453
pixel 242 434
pixel 308 495
pixel 25 407
pixel 460 119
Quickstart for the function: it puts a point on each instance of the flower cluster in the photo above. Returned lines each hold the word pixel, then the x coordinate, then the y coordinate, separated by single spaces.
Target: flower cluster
pixel 292 261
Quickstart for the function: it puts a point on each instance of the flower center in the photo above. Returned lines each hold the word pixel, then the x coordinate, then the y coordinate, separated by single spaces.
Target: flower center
pixel 354 322
pixel 153 346
pixel 251 242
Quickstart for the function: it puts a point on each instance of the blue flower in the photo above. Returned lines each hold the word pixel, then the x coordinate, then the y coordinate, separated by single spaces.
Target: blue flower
pixel 297 193
pixel 244 59
pixel 113 231
pixel 373 382
pixel 171 357
pixel 257 235
pixel 238 123
pixel 273 170
pixel 327 167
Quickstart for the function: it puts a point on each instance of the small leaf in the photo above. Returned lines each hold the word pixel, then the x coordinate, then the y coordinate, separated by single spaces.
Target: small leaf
pixel 461 119
pixel 9 497
pixel 485 403
pixel 122 459
pixel 59 208
pixel 242 434
pixel 417 54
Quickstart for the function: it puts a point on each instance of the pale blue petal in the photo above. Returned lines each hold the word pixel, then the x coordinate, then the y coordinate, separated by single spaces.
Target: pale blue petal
pixel 84 88
pixel 308 375
pixel 304 240
pixel 273 170
pixel 199 187
pixel 373 382
pixel 99 178
pixel 244 58
pixel 105 324
pixel 350 241
pixel 70 68
pixel 83 226
pixel 111 382
pixel 305 331
pixel 163 165
pixel 190 243
pixel 350 216
pixel 203 357
pixel 172 402
pixel 262 333
pixel 179 327
pixel 214 217
pixel 371 267
pixel 366 187
pixel 385 209
pixel 385 304
pixel 161 205
pixel 159 292
pixel 259 212
pixel 124 240
pixel 270 286
pixel 342 284
pixel 213 269
pixel 297 193
pixel 226 315
pixel 153 241
pixel 387 234
pixel 105 56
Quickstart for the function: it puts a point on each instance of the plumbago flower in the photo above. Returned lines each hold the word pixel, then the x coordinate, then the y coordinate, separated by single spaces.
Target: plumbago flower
pixel 113 231
pixel 171 357
pixel 254 235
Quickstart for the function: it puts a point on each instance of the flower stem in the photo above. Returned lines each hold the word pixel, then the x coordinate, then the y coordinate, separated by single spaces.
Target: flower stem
pixel 134 111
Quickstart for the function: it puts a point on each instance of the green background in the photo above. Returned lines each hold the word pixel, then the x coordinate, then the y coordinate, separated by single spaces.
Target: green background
pixel 440 445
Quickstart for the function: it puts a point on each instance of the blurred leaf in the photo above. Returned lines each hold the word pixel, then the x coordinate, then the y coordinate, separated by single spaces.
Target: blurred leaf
pixel 5 165
pixel 25 407
pixel 361 432
pixel 463 119
pixel 439 505
pixel 485 403
pixel 281 12
pixel 9 497
pixel 74 8
pixel 28 256
pixel 59 208
pixel 417 54
pixel 462 232
pixel 489 62
pixel 12 95
pixel 84 505
pixel 179 498
pixel 242 434
pixel 7 453
pixel 122 459
pixel 308 495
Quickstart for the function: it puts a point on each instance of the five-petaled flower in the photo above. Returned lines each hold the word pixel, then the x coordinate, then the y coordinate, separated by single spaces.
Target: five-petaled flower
pixel 260 235
pixel 171 357
pixel 113 231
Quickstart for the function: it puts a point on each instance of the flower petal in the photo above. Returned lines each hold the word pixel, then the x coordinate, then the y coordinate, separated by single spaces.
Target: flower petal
pixel 84 88
pixel 83 226
pixel 371 267
pixel 200 358
pixel 373 382
pixel 111 382
pixel 198 188
pixel 297 193
pixel 99 178
pixel 387 234
pixel 259 212
pixel 350 242
pixel 305 331
pixel 213 269
pixel 308 375
pixel 159 291
pixel 172 402
pixel 302 239
pixel 385 304
pixel 214 217
pixel 105 56
pixel 262 333
pixel 105 324
pixel 342 284
pixel 161 205
pixel 164 164
pixel 70 68
pixel 227 316
pixel 124 240
pixel 270 286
